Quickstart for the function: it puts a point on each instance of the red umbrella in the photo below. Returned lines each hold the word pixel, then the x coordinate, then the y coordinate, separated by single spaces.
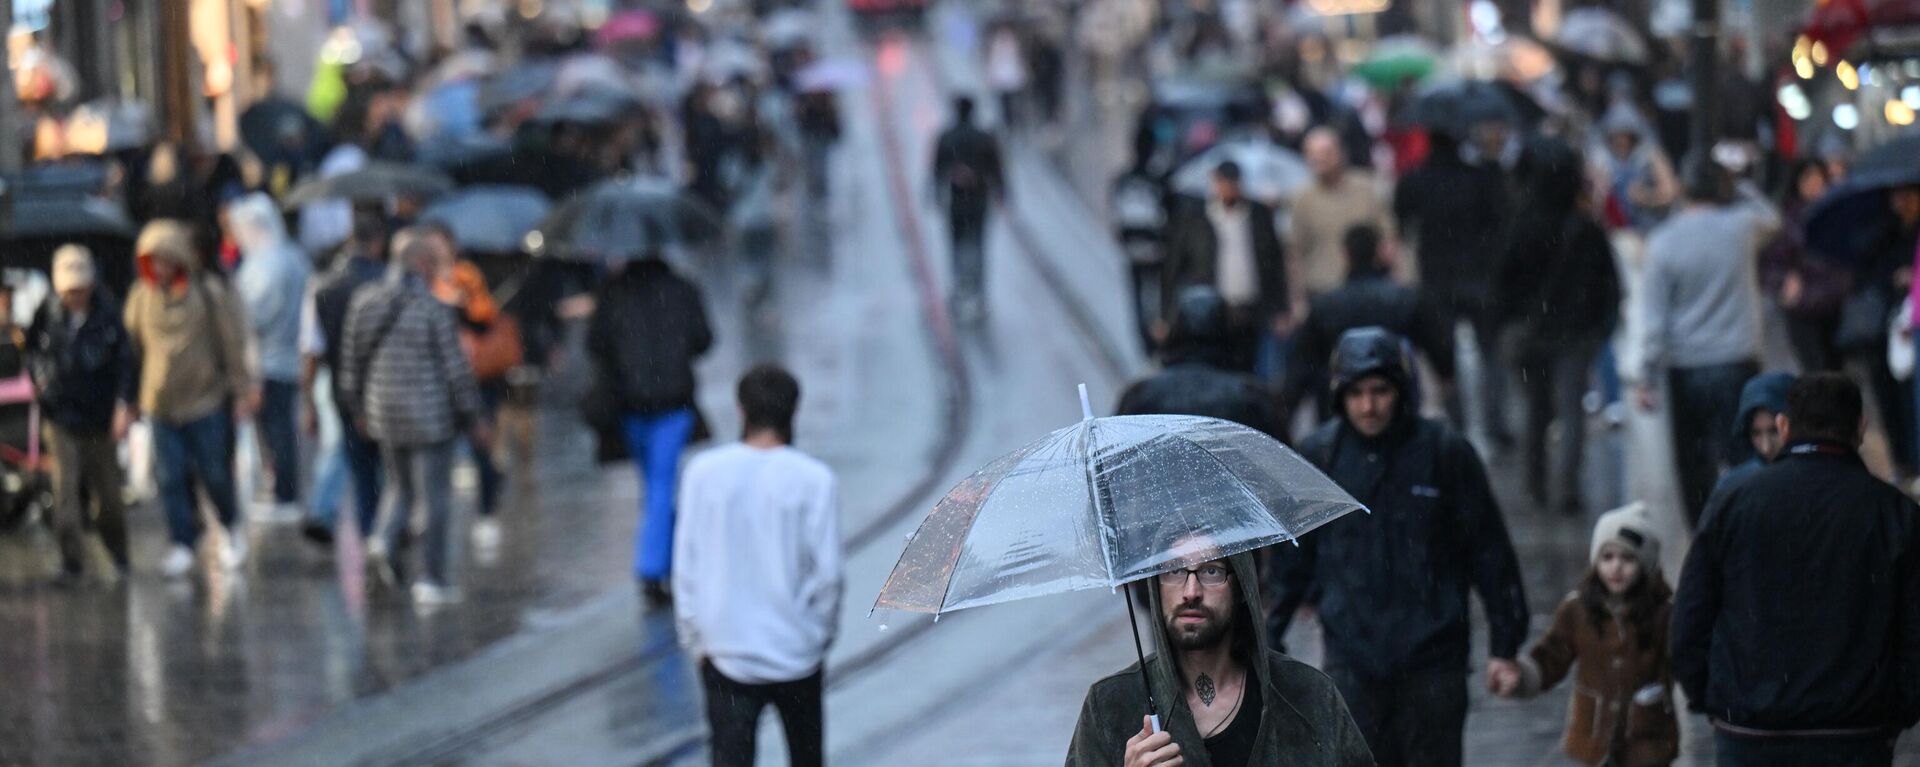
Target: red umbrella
pixel 626 27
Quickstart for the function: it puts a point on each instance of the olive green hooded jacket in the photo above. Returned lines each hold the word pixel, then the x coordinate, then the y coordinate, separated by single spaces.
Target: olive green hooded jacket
pixel 1303 720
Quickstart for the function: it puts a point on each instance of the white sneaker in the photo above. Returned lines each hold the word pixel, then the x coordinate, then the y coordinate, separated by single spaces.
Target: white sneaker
pixel 430 594
pixel 178 563
pixel 234 554
pixel 486 533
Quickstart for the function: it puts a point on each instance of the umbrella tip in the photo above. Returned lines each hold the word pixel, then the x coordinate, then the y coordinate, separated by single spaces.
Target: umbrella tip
pixel 1086 405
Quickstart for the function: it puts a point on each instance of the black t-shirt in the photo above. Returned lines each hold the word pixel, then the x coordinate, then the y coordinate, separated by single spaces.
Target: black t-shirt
pixel 1233 747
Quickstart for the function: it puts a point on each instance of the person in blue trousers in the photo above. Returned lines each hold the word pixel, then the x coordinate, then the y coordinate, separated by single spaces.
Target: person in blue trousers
pixel 649 325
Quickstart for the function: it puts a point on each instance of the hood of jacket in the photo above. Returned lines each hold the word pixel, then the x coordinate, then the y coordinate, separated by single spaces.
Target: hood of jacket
pixel 254 223
pixel 1250 641
pixel 169 241
pixel 1362 352
pixel 1767 390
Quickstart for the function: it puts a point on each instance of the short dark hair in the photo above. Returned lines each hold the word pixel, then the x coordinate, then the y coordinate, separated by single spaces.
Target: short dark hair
pixel 1227 170
pixel 1703 180
pixel 1824 406
pixel 963 109
pixel 1362 244
pixel 769 396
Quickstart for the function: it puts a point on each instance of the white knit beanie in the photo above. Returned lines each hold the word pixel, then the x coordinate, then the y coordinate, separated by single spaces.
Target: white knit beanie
pixel 1630 526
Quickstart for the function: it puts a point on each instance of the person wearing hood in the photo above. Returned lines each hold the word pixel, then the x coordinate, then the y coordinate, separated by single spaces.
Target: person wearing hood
pixel 1560 286
pixel 1223 698
pixel 192 340
pixel 272 283
pixel 1370 297
pixel 1198 377
pixel 86 380
pixel 1761 400
pixel 1391 586
pixel 1637 177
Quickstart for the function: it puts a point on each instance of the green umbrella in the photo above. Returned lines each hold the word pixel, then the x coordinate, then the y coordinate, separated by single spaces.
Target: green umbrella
pixel 1398 60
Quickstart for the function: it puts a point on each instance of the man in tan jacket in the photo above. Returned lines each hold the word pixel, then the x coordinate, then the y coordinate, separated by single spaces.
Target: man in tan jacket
pixel 191 336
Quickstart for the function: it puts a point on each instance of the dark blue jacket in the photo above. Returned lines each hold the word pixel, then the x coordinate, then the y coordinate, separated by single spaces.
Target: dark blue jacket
pixel 1767 391
pixel 80 374
pixel 335 295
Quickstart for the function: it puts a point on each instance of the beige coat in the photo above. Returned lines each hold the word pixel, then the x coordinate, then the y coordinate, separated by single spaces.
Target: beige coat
pixel 191 335
pixel 1318 228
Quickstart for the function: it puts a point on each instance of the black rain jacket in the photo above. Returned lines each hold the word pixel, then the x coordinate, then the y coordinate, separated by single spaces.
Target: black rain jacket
pixel 648 327
pixel 80 374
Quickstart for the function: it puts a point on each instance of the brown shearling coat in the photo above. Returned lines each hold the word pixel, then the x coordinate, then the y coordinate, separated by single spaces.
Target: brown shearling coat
pixel 1612 668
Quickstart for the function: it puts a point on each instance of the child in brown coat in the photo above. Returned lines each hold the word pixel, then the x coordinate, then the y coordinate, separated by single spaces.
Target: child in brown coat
pixel 1614 627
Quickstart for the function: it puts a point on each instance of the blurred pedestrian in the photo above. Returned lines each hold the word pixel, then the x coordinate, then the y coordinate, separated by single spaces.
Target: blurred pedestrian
pixel 1809 289
pixel 1638 179
pixel 322 337
pixel 1007 73
pixel 1614 628
pixel 85 377
pixel 1559 284
pixel 191 335
pixel 1762 400
pixel 1799 604
pixel 1453 214
pixel 272 283
pixel 758 576
pixel 1700 309
pixel 491 343
pixel 405 378
pixel 648 378
pixel 817 112
pixel 1224 698
pixel 1339 198
pixel 1392 586
pixel 968 179
pixel 1230 244
pixel 1197 374
pixel 1370 297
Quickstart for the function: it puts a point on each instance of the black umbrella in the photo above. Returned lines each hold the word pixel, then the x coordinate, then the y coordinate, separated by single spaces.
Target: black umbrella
pixel 377 181
pixel 1455 107
pixel 281 129
pixel 40 225
pixel 490 219
pixel 1851 220
pixel 594 106
pixel 623 220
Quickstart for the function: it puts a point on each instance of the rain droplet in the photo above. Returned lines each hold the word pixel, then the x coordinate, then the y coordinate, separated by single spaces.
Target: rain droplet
pixel 883 627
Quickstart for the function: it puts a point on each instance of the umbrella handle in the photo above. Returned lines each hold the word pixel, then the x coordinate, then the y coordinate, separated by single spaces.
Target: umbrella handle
pixel 1155 719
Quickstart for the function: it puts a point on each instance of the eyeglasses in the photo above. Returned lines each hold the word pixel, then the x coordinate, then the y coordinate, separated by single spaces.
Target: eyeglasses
pixel 1210 575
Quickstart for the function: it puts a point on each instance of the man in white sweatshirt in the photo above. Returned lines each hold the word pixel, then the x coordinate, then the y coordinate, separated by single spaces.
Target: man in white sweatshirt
pixel 757 581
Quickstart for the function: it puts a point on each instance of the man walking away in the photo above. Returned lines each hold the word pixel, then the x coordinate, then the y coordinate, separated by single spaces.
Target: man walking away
pixel 272 282
pixel 405 377
pixel 1230 244
pixel 1392 585
pixel 86 378
pixel 1701 314
pixel 1224 699
pixel 1197 377
pixel 1370 297
pixel 191 337
pixel 1797 624
pixel 649 378
pixel 322 338
pixel 967 180
pixel 1762 400
pixel 757 596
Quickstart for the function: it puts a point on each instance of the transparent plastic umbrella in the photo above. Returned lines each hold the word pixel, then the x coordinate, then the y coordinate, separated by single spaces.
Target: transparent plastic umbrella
pixel 1107 502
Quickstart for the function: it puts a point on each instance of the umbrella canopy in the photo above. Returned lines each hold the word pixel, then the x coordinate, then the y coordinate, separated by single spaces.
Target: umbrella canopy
pixel 279 128
pixel 787 28
pixel 450 110
pixel 622 220
pixel 1107 502
pixel 1597 33
pixel 1852 219
pixel 490 218
pixel 1269 172
pixel 66 216
pixel 593 106
pixel 588 72
pixel 1397 60
pixel 831 75
pixel 375 182
pixel 627 27
pixel 1456 106
pixel 524 82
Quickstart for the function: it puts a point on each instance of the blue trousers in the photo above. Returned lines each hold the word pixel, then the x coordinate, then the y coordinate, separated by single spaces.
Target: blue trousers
pixel 186 452
pixel 276 420
pixel 655 442
pixel 363 464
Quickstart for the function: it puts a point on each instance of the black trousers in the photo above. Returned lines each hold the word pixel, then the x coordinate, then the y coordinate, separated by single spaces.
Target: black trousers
pixel 1704 403
pixel 1412 719
pixel 733 717
pixel 1733 751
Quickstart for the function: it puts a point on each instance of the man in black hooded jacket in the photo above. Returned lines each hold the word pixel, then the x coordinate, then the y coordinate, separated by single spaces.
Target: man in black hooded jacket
pixel 1199 377
pixel 1392 585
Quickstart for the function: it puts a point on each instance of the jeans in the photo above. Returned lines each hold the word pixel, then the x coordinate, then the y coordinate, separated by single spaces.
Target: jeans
pixel 1734 751
pixel 1606 368
pixel 1555 378
pixel 969 230
pixel 88 469
pixel 421 475
pixel 195 451
pixel 364 466
pixel 277 427
pixel 655 441
pixel 1489 336
pixel 733 716
pixel 1704 403
pixel 1416 718
pixel 491 479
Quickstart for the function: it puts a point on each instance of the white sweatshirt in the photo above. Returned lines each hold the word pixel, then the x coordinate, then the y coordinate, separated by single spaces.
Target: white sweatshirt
pixel 756 562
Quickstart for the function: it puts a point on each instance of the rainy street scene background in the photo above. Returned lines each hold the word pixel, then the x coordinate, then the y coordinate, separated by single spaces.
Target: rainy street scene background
pixel 960 382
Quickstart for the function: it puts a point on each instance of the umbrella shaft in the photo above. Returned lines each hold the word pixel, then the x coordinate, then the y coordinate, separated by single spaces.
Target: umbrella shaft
pixel 1153 708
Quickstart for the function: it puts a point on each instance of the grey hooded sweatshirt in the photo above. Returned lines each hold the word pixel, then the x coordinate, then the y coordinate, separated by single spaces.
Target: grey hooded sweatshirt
pixel 1303 720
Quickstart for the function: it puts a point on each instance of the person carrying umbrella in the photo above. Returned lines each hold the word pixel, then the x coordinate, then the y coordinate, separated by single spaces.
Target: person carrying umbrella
pixel 1391 587
pixel 1226 695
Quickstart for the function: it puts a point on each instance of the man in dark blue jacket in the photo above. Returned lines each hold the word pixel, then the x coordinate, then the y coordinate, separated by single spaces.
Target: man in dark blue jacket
pixel 363 263
pixel 1797 623
pixel 1392 585
pixel 85 376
